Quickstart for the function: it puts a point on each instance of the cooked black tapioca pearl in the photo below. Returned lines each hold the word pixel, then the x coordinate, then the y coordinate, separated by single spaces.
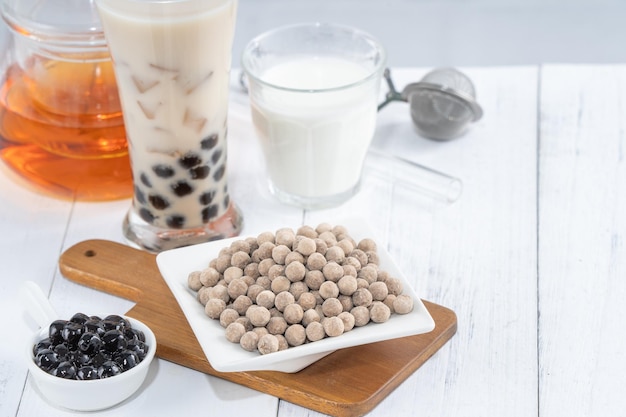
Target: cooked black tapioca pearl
pixel 134 334
pixel 199 172
pixel 181 188
pixel 65 370
pixel 207 198
pixel 209 142
pixel 189 160
pixel 219 174
pixel 89 342
pixel 146 215
pixel 175 221
pixel 79 318
pixel 209 213
pixel 42 345
pixel 71 333
pixel 145 180
pixel 139 347
pixel 216 156
pixel 108 369
pixel 163 171
pixel 86 373
pixel 47 359
pixel 114 321
pixel 158 202
pixel 140 195
pixel 56 327
pixel 113 340
pixel 127 359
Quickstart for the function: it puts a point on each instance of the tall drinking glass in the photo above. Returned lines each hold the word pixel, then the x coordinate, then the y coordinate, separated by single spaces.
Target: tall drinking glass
pixel 172 63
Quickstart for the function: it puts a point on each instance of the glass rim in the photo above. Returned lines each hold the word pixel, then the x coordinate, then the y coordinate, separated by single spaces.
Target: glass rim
pixel 375 43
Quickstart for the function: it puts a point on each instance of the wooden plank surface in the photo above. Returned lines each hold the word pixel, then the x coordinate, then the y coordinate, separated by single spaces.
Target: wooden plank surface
pixel 347 383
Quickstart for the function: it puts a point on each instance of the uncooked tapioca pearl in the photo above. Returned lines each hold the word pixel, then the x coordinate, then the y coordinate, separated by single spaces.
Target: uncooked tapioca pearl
pixel 266 299
pixel 241 304
pixel 254 290
pixel 295 335
pixel 329 289
pixel 285 236
pixel 219 291
pixel 314 279
pixel 332 271
pixel 373 257
pixel 368 273
pixel 240 246
pixel 265 265
pixel 259 316
pixel 348 321
pixel 379 312
pixel 264 281
pixel 335 254
pixel 307 300
pixel 252 270
pixel 316 261
pixel 346 245
pixel 223 262
pixel 323 227
pixel 260 331
pixel 293 313
pixel 231 273
pixel 362 297
pixel 282 342
pixel 209 277
pixel 379 290
pixel 306 246
pixel 237 287
pixel 315 331
pixel 346 302
pixel 212 263
pixel 297 289
pixel 329 238
pixel 347 285
pixel 203 295
pixel 349 270
pixel 339 230
pixel 280 284
pixel 276 270
pixel 245 322
pixel 383 276
pixel 361 315
pixel 333 326
pixel 265 237
pixel 307 231
pixel 193 281
pixel 360 256
pixel 332 307
pixel 267 344
pixel 265 250
pixel 214 308
pixel 225 251
pixel 253 244
pixel 294 257
pixel 403 304
pixel 309 316
pixel 234 331
pixel 295 271
pixel 283 299
pixel 275 313
pixel 362 283
pixel 389 302
pixel 228 316
pixel 320 245
pixel 249 341
pixel 279 253
pixel 240 259
pixel 367 245
pixel 394 285
pixel 276 325
pixel 248 280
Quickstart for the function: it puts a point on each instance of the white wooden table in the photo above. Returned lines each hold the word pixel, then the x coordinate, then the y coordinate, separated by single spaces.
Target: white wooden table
pixel 532 257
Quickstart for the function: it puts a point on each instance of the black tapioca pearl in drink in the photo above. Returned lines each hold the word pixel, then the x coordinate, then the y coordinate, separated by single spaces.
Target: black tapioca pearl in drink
pixel 146 215
pixel 216 156
pixel 145 180
pixel 209 142
pixel 219 174
pixel 175 221
pixel 182 188
pixel 163 171
pixel 207 198
pixel 199 172
pixel 209 213
pixel 226 201
pixel 189 160
pixel 158 202
pixel 140 195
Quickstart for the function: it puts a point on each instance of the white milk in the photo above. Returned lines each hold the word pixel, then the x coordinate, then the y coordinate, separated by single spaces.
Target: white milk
pixel 315 142
pixel 172 68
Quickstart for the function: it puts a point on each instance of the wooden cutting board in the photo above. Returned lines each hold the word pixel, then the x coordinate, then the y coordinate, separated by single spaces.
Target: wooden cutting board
pixel 347 383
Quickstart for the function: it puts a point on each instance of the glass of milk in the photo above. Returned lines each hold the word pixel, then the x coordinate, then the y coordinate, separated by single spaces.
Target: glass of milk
pixel 172 63
pixel 314 92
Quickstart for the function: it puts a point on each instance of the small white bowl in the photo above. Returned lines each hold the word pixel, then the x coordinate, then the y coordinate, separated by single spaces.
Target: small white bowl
pixel 94 394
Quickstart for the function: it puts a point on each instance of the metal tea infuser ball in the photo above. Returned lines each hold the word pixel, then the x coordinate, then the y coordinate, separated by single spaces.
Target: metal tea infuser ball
pixel 442 104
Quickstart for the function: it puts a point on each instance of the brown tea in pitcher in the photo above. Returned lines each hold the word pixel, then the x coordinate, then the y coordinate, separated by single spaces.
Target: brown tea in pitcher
pixel 61 124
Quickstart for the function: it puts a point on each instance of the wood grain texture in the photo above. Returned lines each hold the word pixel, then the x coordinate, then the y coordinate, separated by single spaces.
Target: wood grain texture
pixel 347 383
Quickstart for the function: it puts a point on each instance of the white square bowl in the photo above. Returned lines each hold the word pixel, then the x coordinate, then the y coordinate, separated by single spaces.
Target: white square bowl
pixel 224 356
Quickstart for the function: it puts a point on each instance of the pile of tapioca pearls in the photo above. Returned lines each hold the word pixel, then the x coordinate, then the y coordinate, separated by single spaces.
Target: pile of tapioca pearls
pixel 288 288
